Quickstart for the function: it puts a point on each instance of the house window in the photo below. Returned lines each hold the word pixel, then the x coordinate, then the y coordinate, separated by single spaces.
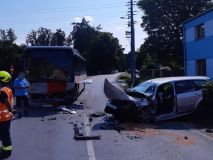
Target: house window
pixel 200 31
pixel 201 67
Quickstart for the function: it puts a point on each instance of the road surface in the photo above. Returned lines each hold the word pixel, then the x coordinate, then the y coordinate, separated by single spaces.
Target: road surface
pixel 47 134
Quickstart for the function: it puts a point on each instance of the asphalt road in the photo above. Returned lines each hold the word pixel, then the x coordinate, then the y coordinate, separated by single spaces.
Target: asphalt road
pixel 47 134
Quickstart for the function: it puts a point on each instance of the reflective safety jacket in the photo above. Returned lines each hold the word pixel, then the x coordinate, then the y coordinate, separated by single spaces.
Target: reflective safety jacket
pixel 5 115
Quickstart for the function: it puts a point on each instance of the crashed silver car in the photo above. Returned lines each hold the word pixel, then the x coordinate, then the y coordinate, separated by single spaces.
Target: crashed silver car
pixel 155 99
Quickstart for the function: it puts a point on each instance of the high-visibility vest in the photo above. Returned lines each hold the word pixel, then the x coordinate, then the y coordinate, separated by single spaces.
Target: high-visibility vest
pixel 5 115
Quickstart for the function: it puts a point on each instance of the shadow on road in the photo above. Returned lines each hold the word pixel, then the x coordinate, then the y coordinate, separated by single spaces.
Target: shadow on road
pixel 198 121
pixel 38 111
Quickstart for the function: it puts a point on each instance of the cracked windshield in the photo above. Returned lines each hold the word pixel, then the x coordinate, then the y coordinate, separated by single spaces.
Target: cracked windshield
pixel 106 80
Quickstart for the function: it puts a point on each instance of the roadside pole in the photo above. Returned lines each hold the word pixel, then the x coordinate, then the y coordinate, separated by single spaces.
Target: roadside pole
pixel 132 44
pixel 11 72
pixel 131 34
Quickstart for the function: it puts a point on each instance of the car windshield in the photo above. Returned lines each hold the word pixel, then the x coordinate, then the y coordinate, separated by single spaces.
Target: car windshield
pixel 145 87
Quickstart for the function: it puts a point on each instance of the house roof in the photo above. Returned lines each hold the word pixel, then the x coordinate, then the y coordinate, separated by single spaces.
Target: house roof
pixel 203 13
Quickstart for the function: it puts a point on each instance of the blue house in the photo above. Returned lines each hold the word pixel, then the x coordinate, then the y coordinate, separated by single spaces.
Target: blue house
pixel 198 45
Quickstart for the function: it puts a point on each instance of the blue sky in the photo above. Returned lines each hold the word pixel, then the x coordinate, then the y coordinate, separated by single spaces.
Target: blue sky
pixel 25 15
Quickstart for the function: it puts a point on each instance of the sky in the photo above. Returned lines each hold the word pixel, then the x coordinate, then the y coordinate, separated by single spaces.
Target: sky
pixel 25 15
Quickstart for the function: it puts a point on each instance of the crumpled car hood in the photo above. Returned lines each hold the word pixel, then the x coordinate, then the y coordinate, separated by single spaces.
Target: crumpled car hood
pixel 115 93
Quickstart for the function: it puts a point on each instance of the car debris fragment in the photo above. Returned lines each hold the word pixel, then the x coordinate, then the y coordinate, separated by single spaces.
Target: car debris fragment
pixel 52 118
pixel 66 110
pixel 97 114
pixel 80 136
pixel 209 130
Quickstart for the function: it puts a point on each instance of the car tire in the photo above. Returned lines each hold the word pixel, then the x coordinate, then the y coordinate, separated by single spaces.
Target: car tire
pixel 200 109
pixel 144 115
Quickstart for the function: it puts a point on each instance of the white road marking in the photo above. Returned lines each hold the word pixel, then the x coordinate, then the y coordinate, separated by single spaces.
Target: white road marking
pixel 90 148
pixel 197 131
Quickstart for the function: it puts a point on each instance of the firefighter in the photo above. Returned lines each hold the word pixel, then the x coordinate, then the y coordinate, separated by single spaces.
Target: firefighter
pixel 6 114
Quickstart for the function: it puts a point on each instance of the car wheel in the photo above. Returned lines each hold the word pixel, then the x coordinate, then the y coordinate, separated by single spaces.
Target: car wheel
pixel 144 115
pixel 200 109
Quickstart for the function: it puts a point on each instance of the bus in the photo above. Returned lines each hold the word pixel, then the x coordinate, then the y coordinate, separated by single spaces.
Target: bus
pixel 55 74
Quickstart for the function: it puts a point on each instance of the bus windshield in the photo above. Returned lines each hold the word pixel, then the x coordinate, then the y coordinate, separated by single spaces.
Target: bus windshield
pixel 49 65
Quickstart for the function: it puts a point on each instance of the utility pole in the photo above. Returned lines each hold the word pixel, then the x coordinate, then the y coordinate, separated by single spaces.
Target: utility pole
pixel 132 43
pixel 131 33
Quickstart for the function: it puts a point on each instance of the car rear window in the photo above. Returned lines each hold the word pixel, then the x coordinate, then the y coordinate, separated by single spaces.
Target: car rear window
pixel 184 86
pixel 200 83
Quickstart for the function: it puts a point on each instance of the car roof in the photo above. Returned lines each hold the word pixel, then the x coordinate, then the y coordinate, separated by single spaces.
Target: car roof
pixel 170 79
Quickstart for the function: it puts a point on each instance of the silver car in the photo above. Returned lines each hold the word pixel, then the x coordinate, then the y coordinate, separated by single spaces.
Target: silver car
pixel 157 99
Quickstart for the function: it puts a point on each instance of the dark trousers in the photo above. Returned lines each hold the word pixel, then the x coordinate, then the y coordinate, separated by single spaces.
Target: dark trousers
pixel 5 133
pixel 23 99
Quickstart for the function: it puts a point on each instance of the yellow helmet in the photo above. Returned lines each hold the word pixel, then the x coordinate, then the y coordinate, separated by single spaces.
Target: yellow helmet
pixel 5 76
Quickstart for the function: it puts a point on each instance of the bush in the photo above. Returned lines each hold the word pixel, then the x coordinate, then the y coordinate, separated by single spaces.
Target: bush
pixel 124 76
pixel 208 93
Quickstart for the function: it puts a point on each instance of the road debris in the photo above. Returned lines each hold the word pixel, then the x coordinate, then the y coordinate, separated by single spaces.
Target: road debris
pixel 66 110
pixel 133 137
pixel 110 120
pixel 90 119
pixel 79 136
pixel 51 118
pixel 209 131
pixel 97 114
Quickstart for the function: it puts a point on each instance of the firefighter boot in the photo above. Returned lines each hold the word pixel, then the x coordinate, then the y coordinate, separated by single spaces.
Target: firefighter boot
pixel 5 153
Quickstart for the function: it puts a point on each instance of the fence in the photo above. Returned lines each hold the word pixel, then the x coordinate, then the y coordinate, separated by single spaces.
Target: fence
pixel 156 73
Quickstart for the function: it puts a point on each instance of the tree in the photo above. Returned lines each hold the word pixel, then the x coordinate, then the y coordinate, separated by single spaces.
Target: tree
pixel 45 37
pixel 7 36
pixel 11 37
pixel 146 55
pixel 42 37
pixel 101 50
pixel 105 54
pixel 10 53
pixel 162 21
pixel 32 38
pixel 82 36
pixel 58 38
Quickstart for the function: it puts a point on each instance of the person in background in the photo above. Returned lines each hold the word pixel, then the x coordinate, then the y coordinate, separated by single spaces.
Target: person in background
pixel 6 115
pixel 21 86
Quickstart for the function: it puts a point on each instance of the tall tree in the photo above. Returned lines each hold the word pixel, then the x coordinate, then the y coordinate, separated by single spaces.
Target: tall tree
pixel 105 54
pixel 82 36
pixel 41 37
pixel 7 36
pixel 32 38
pixel 44 36
pixel 10 53
pixel 163 20
pixel 58 38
